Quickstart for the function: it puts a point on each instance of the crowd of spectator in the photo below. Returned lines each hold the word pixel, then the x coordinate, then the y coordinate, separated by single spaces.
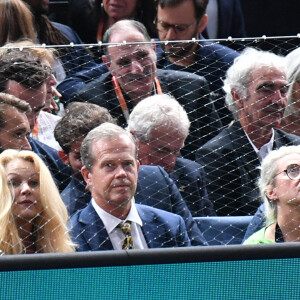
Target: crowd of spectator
pixel 121 144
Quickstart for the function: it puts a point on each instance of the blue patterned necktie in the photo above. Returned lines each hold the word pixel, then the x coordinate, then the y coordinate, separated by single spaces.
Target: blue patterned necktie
pixel 128 242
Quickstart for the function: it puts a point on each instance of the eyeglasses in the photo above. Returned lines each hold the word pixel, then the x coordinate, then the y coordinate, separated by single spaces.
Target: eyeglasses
pixel 165 27
pixel 292 171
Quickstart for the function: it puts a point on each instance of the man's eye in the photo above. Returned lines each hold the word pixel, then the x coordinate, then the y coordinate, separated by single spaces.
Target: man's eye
pixel 123 62
pixel 180 28
pixel 19 135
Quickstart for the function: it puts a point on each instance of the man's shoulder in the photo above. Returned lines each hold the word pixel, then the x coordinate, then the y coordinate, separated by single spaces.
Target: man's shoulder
pixel 290 137
pixel 176 76
pixel 217 51
pixel 157 215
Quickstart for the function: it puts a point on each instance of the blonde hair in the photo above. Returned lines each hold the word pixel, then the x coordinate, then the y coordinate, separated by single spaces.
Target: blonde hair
pixel 50 225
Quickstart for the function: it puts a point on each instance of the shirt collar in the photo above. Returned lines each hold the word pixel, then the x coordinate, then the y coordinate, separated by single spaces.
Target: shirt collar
pixel 111 222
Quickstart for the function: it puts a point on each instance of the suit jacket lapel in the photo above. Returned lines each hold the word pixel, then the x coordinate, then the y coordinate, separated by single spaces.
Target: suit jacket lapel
pixel 94 231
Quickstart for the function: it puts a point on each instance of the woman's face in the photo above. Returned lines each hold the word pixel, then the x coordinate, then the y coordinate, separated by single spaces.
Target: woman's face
pixel 286 190
pixel 24 183
pixel 120 9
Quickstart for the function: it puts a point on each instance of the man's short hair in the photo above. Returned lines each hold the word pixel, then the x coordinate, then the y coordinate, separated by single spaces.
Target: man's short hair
pixel 155 112
pixel 8 101
pixel 78 120
pixel 238 76
pixel 102 132
pixel 199 5
pixel 22 67
pixel 124 26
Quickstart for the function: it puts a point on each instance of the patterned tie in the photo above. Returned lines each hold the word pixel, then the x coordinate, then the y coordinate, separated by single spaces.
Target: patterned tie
pixel 128 242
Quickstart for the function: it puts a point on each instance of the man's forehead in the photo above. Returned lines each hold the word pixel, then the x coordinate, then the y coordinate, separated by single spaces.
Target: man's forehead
pixel 268 73
pixel 15 88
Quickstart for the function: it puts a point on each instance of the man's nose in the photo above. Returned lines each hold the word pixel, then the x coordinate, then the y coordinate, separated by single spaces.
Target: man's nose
pixel 120 172
pixel 26 145
pixel 52 80
pixel 136 67
pixel 171 34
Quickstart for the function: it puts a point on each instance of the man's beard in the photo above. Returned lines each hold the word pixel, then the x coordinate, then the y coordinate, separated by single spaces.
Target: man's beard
pixel 179 50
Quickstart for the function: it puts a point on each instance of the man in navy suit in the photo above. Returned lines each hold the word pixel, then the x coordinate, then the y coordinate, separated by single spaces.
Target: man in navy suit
pixel 154 187
pixel 160 126
pixel 109 156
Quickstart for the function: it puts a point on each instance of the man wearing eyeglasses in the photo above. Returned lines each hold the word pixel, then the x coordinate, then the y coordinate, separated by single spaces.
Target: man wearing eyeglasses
pixel 256 94
pixel 184 20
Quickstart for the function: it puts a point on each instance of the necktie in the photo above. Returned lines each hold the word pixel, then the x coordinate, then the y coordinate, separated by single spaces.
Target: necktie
pixel 128 242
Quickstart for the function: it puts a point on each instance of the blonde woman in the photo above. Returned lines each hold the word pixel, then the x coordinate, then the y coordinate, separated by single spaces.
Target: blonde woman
pixel 32 216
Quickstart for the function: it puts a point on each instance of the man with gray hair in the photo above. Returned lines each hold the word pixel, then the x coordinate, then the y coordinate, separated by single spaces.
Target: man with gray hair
pixel 256 90
pixel 161 125
pixel 112 220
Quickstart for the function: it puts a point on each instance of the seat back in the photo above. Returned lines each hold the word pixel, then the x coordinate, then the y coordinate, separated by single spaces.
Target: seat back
pixel 223 230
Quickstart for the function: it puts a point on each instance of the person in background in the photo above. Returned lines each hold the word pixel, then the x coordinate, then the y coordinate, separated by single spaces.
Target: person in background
pixel 291 117
pixel 16 22
pixel 160 126
pixel 154 186
pixel 279 190
pixel 23 75
pixel 184 20
pixel 256 93
pixel 14 125
pixel 43 129
pixel 133 76
pixel 110 169
pixel 33 217
pixel 90 19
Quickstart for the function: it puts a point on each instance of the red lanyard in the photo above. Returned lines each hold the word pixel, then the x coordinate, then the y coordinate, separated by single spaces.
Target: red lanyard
pixel 121 98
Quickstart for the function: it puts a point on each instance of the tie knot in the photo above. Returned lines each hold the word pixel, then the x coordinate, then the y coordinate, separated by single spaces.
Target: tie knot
pixel 126 227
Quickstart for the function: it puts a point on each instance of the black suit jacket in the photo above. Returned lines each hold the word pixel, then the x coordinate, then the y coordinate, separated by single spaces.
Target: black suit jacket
pixel 189 90
pixel 231 166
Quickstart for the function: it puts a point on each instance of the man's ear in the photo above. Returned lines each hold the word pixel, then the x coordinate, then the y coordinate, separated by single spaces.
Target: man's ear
pixel 64 157
pixel 138 164
pixel 237 98
pixel 86 174
pixel 106 60
pixel 271 193
pixel 202 24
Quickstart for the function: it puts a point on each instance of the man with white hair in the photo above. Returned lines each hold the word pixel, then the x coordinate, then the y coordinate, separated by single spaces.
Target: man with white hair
pixel 256 90
pixel 161 125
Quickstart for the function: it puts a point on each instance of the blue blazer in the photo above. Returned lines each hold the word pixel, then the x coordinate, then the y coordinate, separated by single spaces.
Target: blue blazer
pixel 189 177
pixel 155 188
pixel 161 229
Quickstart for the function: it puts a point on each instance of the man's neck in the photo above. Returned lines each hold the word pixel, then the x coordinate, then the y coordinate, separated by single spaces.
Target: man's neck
pixel 183 61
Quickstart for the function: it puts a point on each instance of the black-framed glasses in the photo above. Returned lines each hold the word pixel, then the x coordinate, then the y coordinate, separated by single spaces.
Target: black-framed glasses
pixel 292 171
pixel 178 28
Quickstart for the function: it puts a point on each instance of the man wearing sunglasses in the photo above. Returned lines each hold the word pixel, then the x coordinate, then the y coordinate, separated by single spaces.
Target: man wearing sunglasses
pixel 256 94
pixel 185 20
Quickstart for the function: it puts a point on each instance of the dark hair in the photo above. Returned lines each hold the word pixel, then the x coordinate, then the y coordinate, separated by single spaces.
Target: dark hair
pixel 78 120
pixel 7 101
pixel 121 25
pixel 199 5
pixel 22 67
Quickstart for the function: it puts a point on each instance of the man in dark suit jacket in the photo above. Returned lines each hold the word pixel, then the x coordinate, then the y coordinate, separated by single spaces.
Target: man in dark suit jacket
pixel 161 126
pixel 256 94
pixel 185 20
pixel 110 170
pixel 133 77
pixel 154 187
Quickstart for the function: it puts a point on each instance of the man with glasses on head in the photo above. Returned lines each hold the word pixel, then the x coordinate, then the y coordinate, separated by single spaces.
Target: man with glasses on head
pixel 185 20
pixel 256 93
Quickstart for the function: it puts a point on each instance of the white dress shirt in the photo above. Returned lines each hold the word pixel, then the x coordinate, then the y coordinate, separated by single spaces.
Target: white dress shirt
pixel 116 234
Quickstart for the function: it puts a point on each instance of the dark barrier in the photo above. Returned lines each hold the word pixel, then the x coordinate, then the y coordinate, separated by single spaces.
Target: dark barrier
pixel 230 272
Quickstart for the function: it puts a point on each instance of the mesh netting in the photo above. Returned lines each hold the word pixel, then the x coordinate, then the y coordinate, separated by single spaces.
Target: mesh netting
pixel 218 181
